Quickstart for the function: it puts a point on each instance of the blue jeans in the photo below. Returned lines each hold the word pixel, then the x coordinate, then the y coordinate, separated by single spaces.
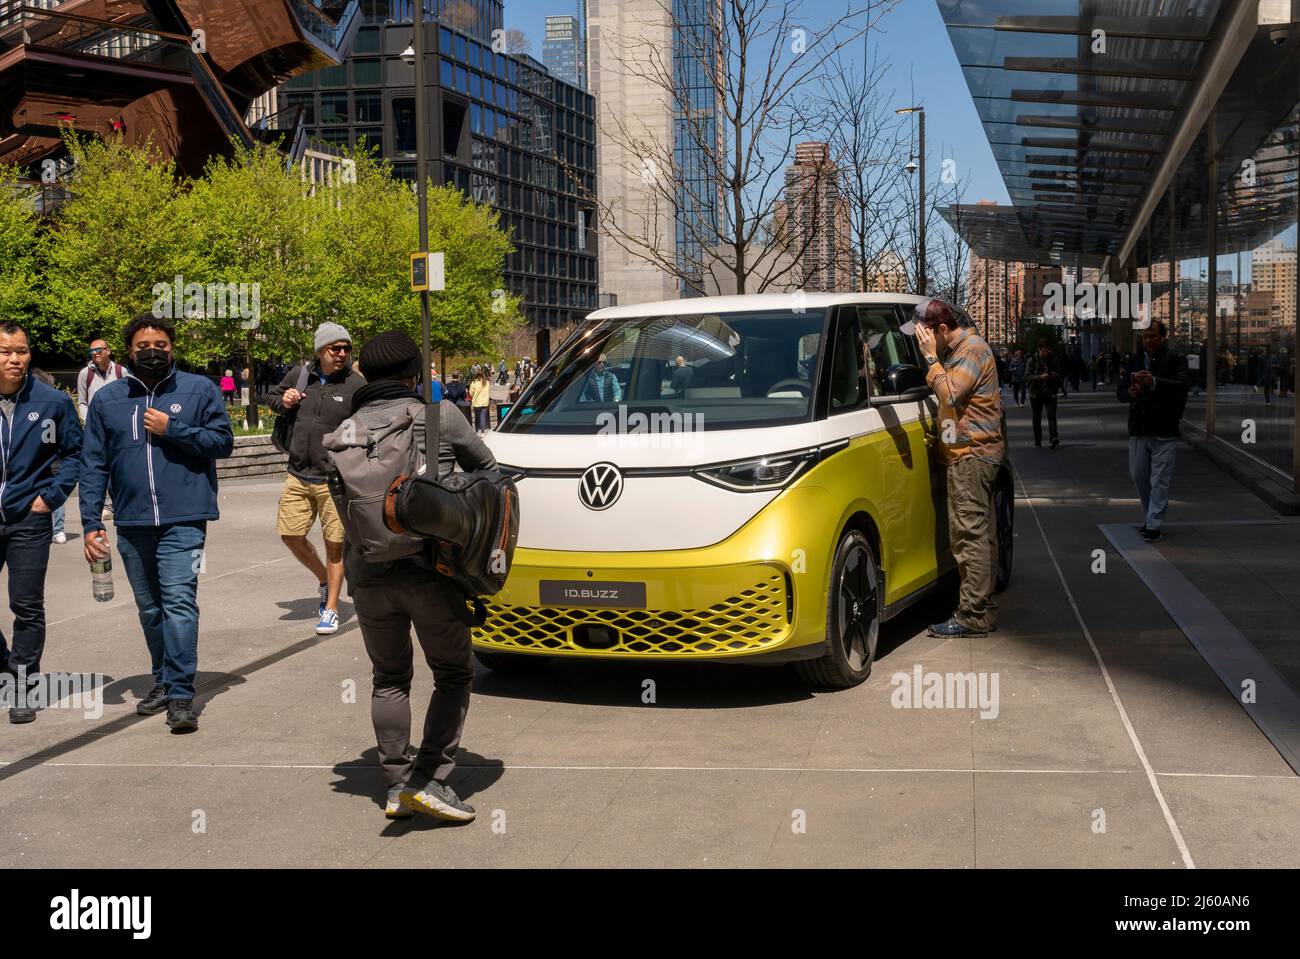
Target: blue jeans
pixel 58 521
pixel 25 549
pixel 1151 464
pixel 162 565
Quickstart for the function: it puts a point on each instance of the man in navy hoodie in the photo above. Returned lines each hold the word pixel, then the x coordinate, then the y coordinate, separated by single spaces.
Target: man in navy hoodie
pixel 153 439
pixel 38 428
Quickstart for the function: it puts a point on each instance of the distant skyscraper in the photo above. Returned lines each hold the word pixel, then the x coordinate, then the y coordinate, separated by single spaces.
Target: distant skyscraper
pixel 633 108
pixel 813 220
pixel 1273 270
pixel 564 50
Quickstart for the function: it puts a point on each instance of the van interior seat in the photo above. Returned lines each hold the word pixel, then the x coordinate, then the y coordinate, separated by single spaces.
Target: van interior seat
pixel 713 392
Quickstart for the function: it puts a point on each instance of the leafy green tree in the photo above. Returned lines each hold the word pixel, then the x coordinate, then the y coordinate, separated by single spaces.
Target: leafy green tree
pixel 20 249
pixel 118 236
pixel 474 314
pixel 248 221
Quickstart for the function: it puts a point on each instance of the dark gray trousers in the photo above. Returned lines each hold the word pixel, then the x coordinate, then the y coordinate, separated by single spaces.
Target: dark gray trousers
pixel 387 608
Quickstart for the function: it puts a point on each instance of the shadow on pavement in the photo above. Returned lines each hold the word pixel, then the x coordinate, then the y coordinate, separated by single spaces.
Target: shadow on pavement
pixel 362 777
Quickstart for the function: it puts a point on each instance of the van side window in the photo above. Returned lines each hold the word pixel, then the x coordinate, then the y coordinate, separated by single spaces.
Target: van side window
pixel 866 344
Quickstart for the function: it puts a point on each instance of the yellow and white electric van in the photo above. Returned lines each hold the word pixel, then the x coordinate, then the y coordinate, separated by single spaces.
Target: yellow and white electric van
pixel 740 478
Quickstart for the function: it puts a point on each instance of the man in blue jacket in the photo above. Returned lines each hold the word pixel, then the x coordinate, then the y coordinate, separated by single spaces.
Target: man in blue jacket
pixel 38 428
pixel 153 440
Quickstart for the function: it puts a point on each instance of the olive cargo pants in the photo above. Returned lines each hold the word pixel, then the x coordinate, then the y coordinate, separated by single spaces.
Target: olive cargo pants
pixel 972 533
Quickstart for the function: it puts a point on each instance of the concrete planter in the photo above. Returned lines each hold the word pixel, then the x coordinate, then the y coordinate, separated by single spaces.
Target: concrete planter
pixel 252 456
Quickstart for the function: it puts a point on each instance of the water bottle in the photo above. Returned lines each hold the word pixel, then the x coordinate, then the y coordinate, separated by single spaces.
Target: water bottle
pixel 101 578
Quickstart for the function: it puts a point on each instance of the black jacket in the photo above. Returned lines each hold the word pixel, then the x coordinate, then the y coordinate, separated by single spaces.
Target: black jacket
pixel 1035 365
pixel 1157 411
pixel 323 407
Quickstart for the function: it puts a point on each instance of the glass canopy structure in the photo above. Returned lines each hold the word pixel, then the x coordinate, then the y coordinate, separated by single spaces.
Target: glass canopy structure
pixel 1154 141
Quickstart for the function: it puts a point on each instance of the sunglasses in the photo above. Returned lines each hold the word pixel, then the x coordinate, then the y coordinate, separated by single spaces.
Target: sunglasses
pixel 339 348
pixel 96 350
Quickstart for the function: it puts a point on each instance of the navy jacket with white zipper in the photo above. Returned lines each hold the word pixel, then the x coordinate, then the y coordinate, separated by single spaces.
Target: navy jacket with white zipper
pixel 155 480
pixel 38 450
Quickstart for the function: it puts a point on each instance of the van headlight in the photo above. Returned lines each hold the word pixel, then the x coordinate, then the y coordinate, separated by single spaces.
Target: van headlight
pixel 766 473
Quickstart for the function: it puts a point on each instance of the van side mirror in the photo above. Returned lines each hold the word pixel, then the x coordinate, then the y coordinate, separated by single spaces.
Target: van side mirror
pixel 902 378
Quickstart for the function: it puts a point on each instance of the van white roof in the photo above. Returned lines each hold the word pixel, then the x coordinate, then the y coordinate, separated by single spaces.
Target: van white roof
pixel 697 306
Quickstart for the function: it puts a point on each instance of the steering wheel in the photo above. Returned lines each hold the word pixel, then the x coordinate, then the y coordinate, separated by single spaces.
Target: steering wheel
pixel 803 386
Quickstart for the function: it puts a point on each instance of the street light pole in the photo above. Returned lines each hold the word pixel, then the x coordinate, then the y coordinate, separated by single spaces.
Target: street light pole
pixel 422 186
pixel 920 215
pixel 923 278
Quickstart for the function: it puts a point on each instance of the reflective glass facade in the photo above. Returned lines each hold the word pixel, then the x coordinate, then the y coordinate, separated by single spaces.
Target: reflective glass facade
pixel 696 132
pixel 1140 144
pixel 503 130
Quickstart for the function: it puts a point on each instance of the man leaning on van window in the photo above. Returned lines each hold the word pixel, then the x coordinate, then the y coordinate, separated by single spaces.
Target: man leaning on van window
pixel 971 448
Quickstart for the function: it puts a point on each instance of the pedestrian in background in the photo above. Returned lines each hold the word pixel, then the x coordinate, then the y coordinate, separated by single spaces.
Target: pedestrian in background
pixel 153 439
pixel 1016 368
pixel 1043 372
pixel 324 401
pixel 1155 387
pixel 970 405
pixel 98 372
pixel 228 387
pixel 58 515
pixel 459 396
pixel 40 442
pixel 480 397
pixel 435 384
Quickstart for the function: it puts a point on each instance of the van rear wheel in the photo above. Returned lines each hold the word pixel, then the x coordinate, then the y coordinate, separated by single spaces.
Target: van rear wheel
pixel 852 617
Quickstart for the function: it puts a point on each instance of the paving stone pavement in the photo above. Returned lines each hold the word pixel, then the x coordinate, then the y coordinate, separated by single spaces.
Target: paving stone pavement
pixel 1113 745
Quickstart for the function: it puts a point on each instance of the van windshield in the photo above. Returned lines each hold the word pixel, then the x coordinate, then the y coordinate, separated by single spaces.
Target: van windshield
pixel 727 371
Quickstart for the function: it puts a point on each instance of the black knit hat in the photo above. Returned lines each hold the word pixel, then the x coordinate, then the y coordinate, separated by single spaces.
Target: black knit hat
pixel 389 356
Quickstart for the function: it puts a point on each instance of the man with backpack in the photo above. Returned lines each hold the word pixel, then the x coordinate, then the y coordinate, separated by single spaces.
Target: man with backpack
pixel 395 578
pixel 314 398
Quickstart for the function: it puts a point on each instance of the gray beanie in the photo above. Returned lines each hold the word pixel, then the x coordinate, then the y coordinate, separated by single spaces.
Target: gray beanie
pixel 328 333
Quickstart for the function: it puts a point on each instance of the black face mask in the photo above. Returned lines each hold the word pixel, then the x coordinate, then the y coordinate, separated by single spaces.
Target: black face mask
pixel 152 363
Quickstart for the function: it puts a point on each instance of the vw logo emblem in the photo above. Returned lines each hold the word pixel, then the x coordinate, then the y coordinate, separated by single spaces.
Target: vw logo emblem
pixel 33 416
pixel 176 407
pixel 600 486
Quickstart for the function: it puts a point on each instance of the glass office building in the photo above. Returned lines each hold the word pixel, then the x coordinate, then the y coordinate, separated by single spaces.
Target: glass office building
pixel 564 50
pixel 503 130
pixel 696 134
pixel 1160 148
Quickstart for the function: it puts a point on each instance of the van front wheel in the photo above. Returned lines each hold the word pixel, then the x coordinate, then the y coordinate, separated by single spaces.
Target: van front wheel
pixel 852 617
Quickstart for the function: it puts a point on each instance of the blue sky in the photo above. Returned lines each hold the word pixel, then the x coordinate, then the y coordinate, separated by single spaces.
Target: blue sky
pixel 913 38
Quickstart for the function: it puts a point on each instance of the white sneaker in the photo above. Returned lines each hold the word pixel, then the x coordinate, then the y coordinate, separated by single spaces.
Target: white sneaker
pixel 60 538
pixel 395 808
pixel 329 623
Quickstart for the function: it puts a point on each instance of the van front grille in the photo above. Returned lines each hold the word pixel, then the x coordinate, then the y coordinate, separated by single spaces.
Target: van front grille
pixel 751 620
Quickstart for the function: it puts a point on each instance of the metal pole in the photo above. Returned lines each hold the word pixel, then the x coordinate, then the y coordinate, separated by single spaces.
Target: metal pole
pixel 1212 281
pixel 921 271
pixel 1236 298
pixel 1173 265
pixel 422 186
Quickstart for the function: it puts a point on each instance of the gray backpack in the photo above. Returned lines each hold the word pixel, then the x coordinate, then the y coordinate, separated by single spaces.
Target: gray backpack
pixel 371 454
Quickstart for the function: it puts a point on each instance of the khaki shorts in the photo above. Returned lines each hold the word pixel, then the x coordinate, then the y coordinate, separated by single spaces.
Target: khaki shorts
pixel 300 502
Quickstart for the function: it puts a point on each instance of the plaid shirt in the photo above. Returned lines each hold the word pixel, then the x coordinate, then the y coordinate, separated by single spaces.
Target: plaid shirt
pixel 970 402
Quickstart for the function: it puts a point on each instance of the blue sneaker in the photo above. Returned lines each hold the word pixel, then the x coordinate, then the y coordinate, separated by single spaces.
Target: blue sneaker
pixel 329 623
pixel 951 628
pixel 324 595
